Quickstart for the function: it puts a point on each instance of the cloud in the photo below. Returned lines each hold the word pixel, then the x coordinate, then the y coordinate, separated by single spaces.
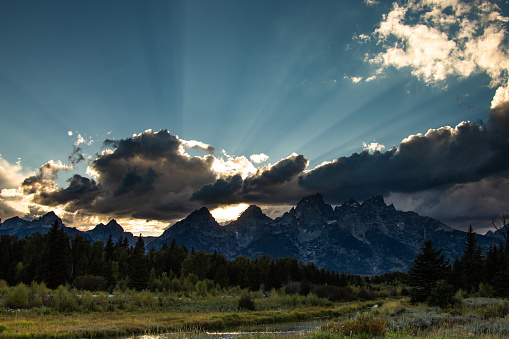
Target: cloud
pixel 222 191
pixel 440 158
pixel 279 173
pixel 474 203
pixel 271 183
pixel 259 158
pixel 79 140
pixel 353 79
pixel 193 144
pixel 151 176
pixel 439 39
pixel 373 147
pixel 11 176
pixel 371 2
pixel 79 192
pixel 44 179
pixel 227 166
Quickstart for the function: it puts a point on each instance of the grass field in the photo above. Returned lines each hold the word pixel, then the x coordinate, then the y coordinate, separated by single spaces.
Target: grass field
pixel 37 312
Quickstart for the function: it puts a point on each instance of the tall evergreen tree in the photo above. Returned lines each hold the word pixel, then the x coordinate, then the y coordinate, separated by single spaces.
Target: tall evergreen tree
pixel 428 267
pixel 471 264
pixel 58 265
pixel 138 270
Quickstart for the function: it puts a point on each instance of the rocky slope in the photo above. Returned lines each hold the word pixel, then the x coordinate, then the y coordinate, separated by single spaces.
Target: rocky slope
pixel 364 238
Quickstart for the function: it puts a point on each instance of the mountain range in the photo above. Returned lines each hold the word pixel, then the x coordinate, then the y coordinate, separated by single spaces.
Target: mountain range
pixel 362 238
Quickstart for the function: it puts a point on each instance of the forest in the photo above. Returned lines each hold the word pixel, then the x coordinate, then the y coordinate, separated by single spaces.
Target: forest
pixel 80 281
pixel 56 259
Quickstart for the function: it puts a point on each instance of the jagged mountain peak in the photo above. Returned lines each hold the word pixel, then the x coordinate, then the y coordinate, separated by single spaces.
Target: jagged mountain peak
pixel 252 211
pixel 202 213
pixel 112 227
pixel 376 201
pixel 313 204
pixel 49 216
pixel 113 223
pixel 351 203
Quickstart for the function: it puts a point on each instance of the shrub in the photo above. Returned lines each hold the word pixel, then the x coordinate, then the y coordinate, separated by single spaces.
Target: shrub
pixel 4 287
pixel 3 328
pixel 494 311
pixel 64 299
pixel 246 303
pixel 38 294
pixel 17 297
pixel 361 324
pixel 335 293
pixel 442 295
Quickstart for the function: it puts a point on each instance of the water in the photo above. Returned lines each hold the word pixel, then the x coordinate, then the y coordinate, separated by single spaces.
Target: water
pixel 276 329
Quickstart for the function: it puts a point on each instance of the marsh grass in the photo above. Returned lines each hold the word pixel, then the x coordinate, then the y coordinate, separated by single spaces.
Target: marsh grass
pixel 69 313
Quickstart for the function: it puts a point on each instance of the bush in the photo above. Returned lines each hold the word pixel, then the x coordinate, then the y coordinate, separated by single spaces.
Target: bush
pixel 361 324
pixel 3 328
pixel 17 297
pixel 64 299
pixel 495 311
pixel 335 293
pixel 246 303
pixel 442 295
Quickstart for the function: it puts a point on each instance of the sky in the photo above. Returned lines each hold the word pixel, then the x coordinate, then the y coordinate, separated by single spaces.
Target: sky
pixel 144 111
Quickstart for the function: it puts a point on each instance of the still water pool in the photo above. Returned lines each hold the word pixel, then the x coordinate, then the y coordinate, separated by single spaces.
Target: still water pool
pixel 276 330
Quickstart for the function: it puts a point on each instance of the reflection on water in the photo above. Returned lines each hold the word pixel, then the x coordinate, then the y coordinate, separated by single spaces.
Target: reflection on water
pixel 274 330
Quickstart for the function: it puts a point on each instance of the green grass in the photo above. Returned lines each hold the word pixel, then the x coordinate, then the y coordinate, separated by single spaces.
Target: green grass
pixel 68 313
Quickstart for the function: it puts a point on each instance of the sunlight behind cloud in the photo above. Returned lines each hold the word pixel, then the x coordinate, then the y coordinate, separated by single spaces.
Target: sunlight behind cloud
pixel 227 213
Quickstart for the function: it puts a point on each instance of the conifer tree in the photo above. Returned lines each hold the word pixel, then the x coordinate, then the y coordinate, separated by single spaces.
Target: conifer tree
pixel 471 264
pixel 138 270
pixel 428 267
pixel 58 265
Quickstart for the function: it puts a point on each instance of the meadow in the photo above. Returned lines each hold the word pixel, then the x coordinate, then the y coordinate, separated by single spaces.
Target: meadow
pixel 36 311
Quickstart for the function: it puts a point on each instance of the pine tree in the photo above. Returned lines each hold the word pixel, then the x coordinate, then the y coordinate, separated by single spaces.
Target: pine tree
pixel 471 264
pixel 58 265
pixel 138 270
pixel 428 267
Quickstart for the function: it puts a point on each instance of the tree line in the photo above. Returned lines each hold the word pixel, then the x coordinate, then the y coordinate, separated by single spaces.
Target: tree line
pixel 435 280
pixel 58 259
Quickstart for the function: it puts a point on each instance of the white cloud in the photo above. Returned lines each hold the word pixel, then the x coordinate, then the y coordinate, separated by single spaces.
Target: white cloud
pixel 11 176
pixel 437 39
pixel 259 158
pixel 194 144
pixel 232 166
pixel 371 2
pixel 79 140
pixel 69 133
pixel 353 79
pixel 501 96
pixel 373 147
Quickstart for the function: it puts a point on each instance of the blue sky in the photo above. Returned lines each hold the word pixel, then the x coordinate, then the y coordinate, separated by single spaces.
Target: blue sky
pixel 226 80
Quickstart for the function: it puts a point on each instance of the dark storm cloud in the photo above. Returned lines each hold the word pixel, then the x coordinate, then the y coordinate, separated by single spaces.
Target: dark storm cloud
pixel 76 156
pixel 281 172
pixel 44 179
pixel 270 184
pixel 440 158
pixel 219 192
pixel 150 174
pixel 147 176
pixel 80 190
pixel 132 181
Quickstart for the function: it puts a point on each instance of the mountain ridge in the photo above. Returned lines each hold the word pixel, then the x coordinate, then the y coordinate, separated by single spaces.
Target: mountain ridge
pixel 364 238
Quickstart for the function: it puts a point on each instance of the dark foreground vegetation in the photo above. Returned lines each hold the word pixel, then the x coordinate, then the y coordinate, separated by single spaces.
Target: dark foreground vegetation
pixel 55 286
pixel 56 260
